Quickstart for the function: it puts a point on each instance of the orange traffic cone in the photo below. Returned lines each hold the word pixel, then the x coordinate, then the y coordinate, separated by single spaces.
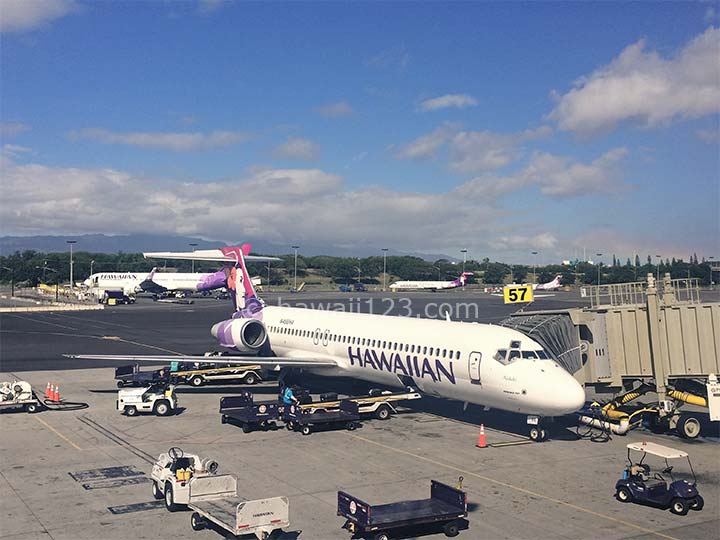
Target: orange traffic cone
pixel 47 391
pixel 51 395
pixel 57 393
pixel 481 439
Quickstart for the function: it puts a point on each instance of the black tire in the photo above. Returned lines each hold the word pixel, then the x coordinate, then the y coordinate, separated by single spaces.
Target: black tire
pixel 162 408
pixel 131 410
pixel 623 495
pixel 381 536
pixel 290 426
pixel 697 503
pixel 247 428
pixel 656 424
pixel 383 412
pixel 306 430
pixel 31 408
pixel 196 381
pixel 535 434
pixel 120 384
pixel 451 529
pixel 688 426
pixel 223 419
pixel 351 426
pixel 156 493
pixel 250 379
pixel 197 522
pixel 543 434
pixel 170 499
pixel 679 506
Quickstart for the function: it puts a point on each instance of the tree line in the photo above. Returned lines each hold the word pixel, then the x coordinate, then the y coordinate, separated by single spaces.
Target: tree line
pixel 33 267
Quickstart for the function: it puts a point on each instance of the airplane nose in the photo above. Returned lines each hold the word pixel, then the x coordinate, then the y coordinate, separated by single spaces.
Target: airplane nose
pixel 573 398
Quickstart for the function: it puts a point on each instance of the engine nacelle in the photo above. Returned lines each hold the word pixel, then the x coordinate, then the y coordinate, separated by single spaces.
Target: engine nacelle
pixel 245 335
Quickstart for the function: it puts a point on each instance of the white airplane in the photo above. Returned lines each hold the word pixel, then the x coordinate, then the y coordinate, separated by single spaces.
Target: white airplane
pixel 549 286
pixel 163 282
pixel 476 363
pixel 431 285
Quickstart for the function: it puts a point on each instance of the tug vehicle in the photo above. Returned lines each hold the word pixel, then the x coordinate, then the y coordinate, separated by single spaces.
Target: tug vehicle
pixel 18 395
pixel 158 398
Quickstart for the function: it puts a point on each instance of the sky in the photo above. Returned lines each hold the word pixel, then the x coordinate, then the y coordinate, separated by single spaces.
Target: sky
pixel 500 128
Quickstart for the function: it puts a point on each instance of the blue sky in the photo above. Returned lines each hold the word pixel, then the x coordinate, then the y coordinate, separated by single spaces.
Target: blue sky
pixel 502 128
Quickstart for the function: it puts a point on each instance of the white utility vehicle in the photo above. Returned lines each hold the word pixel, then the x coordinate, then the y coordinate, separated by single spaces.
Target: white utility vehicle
pixel 157 398
pixel 186 481
pixel 18 395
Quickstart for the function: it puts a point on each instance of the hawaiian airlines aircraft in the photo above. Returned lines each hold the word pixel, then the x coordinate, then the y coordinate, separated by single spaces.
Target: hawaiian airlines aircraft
pixel 549 286
pixel 430 285
pixel 476 363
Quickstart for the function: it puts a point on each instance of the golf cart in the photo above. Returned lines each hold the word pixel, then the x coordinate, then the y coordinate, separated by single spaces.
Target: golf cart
pixel 638 486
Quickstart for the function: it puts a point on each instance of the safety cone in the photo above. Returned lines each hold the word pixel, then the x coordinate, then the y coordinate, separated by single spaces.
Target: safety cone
pixel 57 393
pixel 51 394
pixel 481 439
pixel 47 391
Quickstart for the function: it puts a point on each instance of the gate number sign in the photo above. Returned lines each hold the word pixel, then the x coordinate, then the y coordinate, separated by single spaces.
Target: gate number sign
pixel 515 295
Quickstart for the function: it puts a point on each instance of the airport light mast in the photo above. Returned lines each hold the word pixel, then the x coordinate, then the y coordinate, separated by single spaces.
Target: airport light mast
pixel 464 252
pixel 659 258
pixel 534 253
pixel 193 245
pixel 71 242
pixel 295 279
pixel 384 250
pixel 598 265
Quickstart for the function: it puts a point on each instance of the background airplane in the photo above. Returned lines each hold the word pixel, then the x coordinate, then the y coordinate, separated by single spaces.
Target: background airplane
pixel 431 285
pixel 549 286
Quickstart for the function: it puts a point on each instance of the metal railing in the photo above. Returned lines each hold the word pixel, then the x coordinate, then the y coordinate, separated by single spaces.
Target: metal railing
pixel 670 291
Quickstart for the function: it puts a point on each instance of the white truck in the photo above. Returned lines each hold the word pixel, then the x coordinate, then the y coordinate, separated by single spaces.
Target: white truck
pixel 18 395
pixel 159 399
pixel 186 481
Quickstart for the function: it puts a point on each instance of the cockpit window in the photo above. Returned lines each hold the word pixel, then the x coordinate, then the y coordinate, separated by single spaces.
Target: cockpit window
pixel 542 354
pixel 514 355
pixel 514 344
pixel 529 354
pixel 500 356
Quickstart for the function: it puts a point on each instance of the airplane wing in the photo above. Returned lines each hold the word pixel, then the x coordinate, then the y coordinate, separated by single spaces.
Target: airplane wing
pixel 205 255
pixel 270 362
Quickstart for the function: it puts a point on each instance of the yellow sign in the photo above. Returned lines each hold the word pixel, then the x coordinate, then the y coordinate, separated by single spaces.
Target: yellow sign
pixel 517 294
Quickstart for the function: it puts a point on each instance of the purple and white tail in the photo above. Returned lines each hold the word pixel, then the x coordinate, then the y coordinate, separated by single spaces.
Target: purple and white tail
pixel 247 304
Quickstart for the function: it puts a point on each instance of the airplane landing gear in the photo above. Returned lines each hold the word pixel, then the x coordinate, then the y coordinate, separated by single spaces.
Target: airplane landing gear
pixel 538 432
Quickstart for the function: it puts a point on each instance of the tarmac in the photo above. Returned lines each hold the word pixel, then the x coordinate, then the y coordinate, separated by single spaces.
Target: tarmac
pixel 84 474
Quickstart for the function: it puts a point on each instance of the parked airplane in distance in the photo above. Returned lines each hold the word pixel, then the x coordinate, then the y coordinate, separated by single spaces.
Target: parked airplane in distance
pixel 165 282
pixel 549 286
pixel 477 363
pixel 431 285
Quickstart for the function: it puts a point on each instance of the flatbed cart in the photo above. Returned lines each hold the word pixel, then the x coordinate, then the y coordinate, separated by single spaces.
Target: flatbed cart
pixel 132 375
pixel 214 500
pixel 444 511
pixel 378 403
pixel 19 395
pixel 250 416
pixel 305 420
pixel 200 375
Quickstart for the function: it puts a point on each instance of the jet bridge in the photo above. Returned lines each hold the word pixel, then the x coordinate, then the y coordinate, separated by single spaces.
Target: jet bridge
pixel 655 336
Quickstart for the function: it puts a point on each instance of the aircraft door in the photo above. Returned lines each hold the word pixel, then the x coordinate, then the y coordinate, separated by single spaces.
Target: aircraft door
pixel 474 367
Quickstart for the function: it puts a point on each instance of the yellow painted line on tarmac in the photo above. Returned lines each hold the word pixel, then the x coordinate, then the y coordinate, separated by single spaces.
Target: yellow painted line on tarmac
pixel 56 432
pixel 516 488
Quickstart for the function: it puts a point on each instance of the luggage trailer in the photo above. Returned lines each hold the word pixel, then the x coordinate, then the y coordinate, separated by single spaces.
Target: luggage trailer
pixel 444 511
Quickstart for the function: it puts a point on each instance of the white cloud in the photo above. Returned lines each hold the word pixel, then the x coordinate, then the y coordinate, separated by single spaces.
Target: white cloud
pixel 710 136
pixel 393 57
pixel 642 86
pixel 554 176
pixel 539 241
pixel 427 145
pixel 457 101
pixel 11 129
pixel 210 6
pixel 24 15
pixel 298 148
pixel 177 142
pixel 335 110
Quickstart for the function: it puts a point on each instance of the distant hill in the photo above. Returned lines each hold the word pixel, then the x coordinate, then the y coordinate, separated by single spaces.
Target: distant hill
pixel 136 243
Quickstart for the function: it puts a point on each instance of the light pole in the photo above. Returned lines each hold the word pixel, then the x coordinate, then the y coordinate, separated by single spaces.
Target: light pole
pixel 71 242
pixel 295 281
pixel 657 279
pixel 192 262
pixel 12 279
pixel 359 272
pixel 92 263
pixel 534 253
pixel 384 250
pixel 598 265
pixel 464 252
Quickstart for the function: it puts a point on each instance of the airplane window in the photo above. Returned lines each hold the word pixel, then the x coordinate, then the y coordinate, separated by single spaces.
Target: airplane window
pixel 425 350
pixel 407 347
pixel 457 355
pixel 528 354
pixel 542 354
pixel 384 345
pixel 514 344
pixel 514 354
pixel 395 346
pixel 444 352
pixel 373 343
pixel 431 350
pixel 500 356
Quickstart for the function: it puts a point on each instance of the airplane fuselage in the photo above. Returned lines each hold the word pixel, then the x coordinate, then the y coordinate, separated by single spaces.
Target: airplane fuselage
pixel 477 363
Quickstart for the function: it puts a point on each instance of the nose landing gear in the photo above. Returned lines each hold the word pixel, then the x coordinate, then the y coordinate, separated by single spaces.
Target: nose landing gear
pixel 538 431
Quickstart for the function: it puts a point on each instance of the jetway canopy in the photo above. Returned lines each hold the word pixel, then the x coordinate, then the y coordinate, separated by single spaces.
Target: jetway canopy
pixel 557 334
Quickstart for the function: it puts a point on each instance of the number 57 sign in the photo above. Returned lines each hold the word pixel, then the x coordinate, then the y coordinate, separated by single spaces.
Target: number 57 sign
pixel 517 294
